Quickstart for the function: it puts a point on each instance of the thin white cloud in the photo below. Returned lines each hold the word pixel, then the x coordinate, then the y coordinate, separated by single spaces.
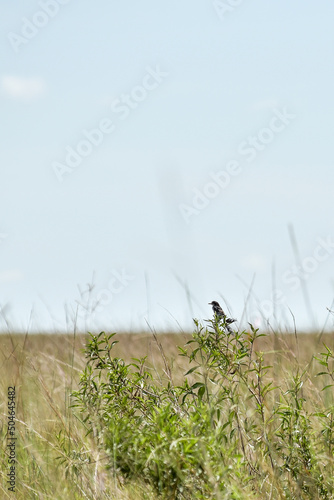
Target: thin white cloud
pixel 22 88
pixel 265 104
pixel 11 276
pixel 254 262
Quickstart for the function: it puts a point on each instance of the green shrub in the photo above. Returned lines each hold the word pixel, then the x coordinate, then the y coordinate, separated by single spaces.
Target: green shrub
pixel 225 432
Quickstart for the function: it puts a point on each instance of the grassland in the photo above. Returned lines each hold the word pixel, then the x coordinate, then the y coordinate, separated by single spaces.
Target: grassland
pixel 57 457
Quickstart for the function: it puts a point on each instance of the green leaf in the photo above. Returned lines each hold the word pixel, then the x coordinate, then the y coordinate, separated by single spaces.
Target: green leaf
pixel 197 384
pixel 327 386
pixel 201 392
pixel 191 370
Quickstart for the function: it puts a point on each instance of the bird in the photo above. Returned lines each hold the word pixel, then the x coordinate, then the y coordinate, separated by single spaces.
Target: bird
pixel 219 313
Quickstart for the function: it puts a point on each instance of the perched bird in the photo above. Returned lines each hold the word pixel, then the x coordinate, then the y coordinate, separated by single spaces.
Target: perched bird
pixel 218 311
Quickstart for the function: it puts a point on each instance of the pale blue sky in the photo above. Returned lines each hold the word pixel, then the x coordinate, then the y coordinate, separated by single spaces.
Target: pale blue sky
pixel 244 97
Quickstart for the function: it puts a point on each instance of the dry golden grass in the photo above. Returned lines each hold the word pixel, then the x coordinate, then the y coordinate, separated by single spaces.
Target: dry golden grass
pixel 46 368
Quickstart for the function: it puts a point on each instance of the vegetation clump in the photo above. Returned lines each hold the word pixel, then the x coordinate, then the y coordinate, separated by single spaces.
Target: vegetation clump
pixel 237 426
